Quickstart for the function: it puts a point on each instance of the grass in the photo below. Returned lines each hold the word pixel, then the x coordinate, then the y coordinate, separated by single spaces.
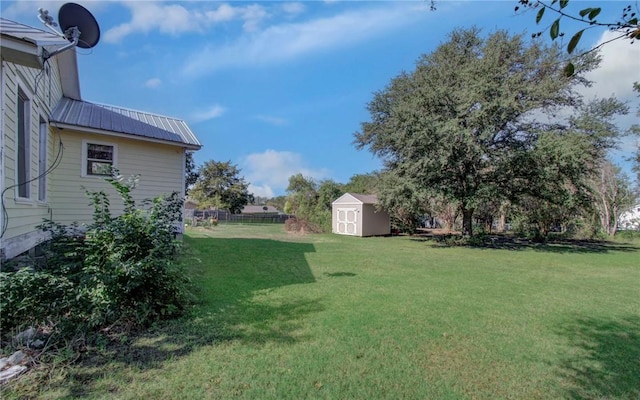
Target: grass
pixel 283 316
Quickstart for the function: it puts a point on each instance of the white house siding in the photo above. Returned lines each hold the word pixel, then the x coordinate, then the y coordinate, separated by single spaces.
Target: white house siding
pixel 25 215
pixel 160 167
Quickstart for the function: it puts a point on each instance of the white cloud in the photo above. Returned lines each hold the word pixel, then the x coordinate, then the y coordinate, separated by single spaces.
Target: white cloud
pixel 293 8
pixel 20 9
pixel 148 15
pixel 175 19
pixel 223 13
pixel 252 16
pixel 261 190
pixel 153 83
pixel 277 121
pixel 212 112
pixel 620 67
pixel 269 171
pixel 283 42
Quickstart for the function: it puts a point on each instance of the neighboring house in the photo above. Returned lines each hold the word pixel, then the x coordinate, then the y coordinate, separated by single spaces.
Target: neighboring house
pixel 190 204
pixel 54 145
pixel 630 220
pixel 357 215
pixel 262 210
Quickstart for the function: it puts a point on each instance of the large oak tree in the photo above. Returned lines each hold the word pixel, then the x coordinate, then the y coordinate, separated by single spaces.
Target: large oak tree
pixel 466 124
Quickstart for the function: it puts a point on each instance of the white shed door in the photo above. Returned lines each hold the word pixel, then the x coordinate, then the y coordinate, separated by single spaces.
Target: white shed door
pixel 347 221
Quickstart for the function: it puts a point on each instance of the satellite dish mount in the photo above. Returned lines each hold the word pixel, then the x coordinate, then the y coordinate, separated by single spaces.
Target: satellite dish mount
pixel 78 24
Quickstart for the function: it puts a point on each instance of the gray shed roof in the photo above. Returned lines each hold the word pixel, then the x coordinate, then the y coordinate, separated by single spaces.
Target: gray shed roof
pixel 361 198
pixel 366 198
pixel 111 119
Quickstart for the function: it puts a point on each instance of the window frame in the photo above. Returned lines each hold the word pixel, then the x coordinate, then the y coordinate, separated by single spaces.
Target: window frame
pixel 43 159
pixel 23 154
pixel 85 158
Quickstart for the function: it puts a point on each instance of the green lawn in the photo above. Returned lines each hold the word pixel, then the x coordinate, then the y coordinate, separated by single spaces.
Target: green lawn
pixel 285 316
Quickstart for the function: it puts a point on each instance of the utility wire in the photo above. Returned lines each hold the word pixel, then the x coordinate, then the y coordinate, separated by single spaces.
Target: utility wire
pixel 54 165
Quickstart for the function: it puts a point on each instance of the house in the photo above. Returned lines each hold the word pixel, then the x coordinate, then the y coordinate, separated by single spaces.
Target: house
pixel 260 210
pixel 630 220
pixel 54 144
pixel 357 215
pixel 190 204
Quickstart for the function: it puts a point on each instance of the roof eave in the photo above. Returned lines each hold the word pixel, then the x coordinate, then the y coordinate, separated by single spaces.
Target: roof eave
pixel 21 52
pixel 83 129
pixel 29 54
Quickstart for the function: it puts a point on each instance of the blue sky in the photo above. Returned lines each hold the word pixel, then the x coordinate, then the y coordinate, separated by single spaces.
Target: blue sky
pixel 280 87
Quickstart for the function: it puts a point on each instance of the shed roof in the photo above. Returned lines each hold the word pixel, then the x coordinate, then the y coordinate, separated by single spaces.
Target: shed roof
pixel 111 119
pixel 358 198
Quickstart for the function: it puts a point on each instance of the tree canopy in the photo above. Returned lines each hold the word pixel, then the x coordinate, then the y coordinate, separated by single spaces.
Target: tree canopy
pixel 190 173
pixel 477 120
pixel 220 185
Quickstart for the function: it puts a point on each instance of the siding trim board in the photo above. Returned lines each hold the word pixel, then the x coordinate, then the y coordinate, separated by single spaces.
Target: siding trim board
pixel 77 128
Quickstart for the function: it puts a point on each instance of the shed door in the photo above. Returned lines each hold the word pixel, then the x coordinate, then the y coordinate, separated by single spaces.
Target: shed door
pixel 347 221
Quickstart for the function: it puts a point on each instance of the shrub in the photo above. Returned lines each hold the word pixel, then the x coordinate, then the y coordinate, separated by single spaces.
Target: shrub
pixel 122 269
pixel 34 298
pixel 301 226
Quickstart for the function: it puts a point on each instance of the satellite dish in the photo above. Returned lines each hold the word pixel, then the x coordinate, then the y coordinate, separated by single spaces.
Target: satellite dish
pixel 72 16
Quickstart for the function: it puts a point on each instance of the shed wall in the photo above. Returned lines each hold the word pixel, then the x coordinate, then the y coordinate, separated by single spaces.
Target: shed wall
pixel 374 222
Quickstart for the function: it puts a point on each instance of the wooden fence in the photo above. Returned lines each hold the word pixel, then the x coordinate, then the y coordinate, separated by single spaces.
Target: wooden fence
pixel 203 216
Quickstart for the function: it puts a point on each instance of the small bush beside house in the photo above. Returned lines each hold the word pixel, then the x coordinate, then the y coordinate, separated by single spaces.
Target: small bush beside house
pixel 122 271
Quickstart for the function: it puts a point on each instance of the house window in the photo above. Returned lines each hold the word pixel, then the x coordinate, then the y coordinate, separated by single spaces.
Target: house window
pixel 23 158
pixel 99 158
pixel 42 161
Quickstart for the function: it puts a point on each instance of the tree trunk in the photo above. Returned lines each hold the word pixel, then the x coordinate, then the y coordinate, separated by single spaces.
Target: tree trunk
pixel 467 222
pixel 502 225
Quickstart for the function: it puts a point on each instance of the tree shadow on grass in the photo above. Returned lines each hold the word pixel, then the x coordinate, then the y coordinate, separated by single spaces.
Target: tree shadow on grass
pixel 504 242
pixel 232 279
pixel 605 361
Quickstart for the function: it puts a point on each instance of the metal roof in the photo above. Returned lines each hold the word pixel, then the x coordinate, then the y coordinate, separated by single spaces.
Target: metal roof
pixel 366 198
pixel 109 119
pixel 29 34
pixel 362 198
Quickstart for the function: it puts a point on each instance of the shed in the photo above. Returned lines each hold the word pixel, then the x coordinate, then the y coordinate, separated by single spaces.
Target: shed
pixel 356 215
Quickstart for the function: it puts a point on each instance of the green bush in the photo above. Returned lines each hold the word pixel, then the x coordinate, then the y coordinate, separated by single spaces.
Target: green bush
pixel 34 298
pixel 122 270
